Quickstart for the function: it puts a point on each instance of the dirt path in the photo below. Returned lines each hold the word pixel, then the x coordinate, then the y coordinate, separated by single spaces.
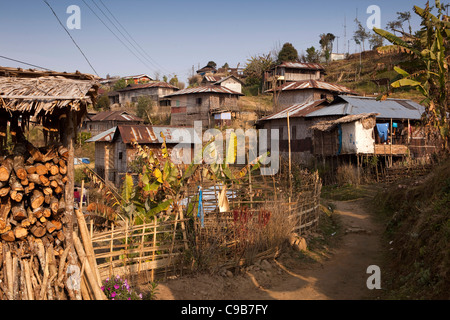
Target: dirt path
pixel 340 276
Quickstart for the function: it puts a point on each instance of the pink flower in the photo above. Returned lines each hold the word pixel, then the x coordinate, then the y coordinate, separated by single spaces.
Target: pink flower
pixel 113 294
pixel 116 286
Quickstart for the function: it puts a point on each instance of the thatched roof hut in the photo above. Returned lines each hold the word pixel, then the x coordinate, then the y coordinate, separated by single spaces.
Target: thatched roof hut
pixel 44 94
pixel 59 102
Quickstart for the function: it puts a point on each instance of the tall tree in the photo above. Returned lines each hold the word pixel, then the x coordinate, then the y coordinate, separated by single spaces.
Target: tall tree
pixel 287 53
pixel 212 64
pixel 361 35
pixel 256 67
pixel 326 42
pixel 312 55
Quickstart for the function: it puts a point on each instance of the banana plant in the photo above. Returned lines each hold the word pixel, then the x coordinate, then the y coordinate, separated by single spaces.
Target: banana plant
pixel 431 48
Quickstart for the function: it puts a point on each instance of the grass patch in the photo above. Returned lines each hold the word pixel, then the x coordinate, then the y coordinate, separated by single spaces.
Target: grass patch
pixel 343 193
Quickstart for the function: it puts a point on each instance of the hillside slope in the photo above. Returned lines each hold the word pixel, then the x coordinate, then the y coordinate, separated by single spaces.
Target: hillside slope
pixel 373 67
pixel 417 233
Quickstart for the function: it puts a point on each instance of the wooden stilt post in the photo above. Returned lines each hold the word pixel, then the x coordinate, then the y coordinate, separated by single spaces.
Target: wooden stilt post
pixel 68 142
pixel 290 159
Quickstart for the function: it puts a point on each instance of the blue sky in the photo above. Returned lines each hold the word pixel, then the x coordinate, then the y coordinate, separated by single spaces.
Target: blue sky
pixel 176 35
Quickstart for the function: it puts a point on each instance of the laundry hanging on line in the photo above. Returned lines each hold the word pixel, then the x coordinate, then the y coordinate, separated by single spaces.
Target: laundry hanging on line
pixel 383 131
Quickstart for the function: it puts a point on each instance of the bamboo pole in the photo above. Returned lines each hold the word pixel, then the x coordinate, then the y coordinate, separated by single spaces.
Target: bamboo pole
pixel 98 293
pixel 87 243
pixel 142 247
pixel 154 246
pixel 111 250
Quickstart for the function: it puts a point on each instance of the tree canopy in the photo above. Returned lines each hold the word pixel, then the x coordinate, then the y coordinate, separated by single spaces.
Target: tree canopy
pixel 287 53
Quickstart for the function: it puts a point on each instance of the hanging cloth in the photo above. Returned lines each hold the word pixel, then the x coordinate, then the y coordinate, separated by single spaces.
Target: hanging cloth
pixel 200 213
pixel 383 129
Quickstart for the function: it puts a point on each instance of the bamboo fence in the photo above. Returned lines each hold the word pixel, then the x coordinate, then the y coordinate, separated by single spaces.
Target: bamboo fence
pixel 171 244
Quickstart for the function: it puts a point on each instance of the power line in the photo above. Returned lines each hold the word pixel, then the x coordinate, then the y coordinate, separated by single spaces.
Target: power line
pixel 26 63
pixel 73 40
pixel 118 38
pixel 151 61
pixel 131 37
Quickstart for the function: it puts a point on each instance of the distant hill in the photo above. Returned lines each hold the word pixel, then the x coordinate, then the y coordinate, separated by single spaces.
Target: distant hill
pixel 376 73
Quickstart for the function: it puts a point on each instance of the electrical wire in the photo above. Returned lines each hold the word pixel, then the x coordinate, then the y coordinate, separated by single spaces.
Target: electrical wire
pixel 131 37
pixel 117 37
pixel 73 40
pixel 26 63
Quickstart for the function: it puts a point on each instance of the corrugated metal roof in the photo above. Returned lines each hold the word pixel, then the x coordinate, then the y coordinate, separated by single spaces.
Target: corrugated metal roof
pixel 314 84
pixel 229 77
pixel 301 65
pixel 138 76
pixel 155 84
pixel 152 134
pixel 387 109
pixel 204 89
pixel 106 136
pixel 211 78
pixel 115 116
pixel 144 134
pixel 297 110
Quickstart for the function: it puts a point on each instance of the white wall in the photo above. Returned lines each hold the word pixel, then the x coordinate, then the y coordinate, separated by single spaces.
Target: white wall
pixel 356 139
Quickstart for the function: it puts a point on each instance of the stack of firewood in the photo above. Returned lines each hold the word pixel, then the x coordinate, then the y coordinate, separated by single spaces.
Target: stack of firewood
pixel 32 188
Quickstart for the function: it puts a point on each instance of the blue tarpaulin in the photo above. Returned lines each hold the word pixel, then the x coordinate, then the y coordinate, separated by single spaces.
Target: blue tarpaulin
pixel 383 129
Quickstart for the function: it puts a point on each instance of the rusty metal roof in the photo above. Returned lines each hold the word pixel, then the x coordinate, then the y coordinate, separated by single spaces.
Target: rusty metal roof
pixel 301 65
pixel 154 84
pixel 204 89
pixel 146 134
pixel 314 84
pixel 297 110
pixel 119 115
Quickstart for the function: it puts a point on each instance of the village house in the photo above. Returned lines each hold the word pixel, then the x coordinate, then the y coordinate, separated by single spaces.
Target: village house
pixel 140 78
pixel 115 151
pixel 98 123
pixel 291 72
pixel 206 69
pixel 298 92
pixel 156 90
pixel 396 131
pixel 231 82
pixel 213 105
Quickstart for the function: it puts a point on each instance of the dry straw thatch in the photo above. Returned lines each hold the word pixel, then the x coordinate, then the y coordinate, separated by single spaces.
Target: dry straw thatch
pixel 41 93
pixel 367 118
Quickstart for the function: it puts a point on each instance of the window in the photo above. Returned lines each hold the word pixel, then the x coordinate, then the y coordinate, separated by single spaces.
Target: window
pixel 294 133
pixel 199 101
pixel 120 155
pixel 178 103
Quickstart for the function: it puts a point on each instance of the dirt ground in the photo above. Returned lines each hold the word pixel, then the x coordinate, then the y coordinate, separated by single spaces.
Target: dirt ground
pixel 338 273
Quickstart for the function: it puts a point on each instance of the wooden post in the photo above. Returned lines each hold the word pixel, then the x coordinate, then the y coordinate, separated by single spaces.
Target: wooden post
pixel 290 165
pixel 250 181
pixel 392 142
pixel 110 251
pixel 68 135
pixel 81 195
